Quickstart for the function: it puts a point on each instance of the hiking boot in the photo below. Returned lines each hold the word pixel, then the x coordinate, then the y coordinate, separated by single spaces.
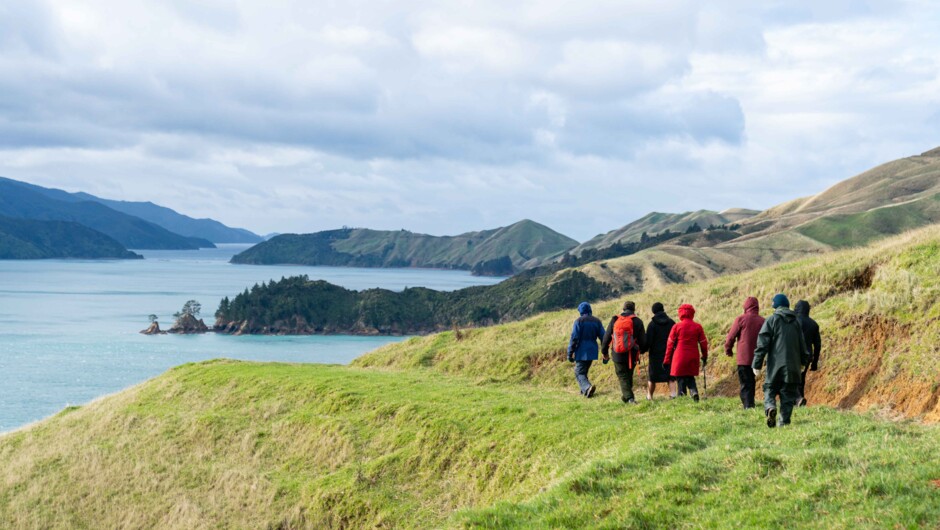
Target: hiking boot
pixel 771 417
pixel 590 391
pixel 695 398
pixel 631 401
pixel 802 402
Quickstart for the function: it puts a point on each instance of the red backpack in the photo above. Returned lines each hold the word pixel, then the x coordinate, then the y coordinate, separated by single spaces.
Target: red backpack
pixel 624 339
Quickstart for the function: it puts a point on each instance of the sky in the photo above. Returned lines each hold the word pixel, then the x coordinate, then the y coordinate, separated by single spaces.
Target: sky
pixel 450 116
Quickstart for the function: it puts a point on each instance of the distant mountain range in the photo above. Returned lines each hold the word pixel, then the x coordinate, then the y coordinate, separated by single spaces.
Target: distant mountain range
pixel 138 225
pixel 31 239
pixel 500 251
pixel 198 229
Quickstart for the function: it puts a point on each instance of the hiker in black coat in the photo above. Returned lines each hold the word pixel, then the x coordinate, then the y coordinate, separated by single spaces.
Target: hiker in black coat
pixel 813 343
pixel 657 333
pixel 625 363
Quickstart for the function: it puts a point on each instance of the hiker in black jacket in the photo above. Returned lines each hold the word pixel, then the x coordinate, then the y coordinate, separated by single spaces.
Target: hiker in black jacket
pixel 625 362
pixel 657 334
pixel 813 344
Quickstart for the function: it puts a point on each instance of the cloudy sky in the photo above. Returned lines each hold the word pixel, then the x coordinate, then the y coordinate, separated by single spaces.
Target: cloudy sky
pixel 448 116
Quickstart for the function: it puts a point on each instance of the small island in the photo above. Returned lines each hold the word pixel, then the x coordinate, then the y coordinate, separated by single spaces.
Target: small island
pixel 187 322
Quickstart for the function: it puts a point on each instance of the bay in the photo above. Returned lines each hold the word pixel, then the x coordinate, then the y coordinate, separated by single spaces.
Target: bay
pixel 69 328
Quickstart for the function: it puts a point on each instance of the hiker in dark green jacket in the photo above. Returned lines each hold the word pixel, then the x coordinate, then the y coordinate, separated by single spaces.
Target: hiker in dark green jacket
pixel 782 346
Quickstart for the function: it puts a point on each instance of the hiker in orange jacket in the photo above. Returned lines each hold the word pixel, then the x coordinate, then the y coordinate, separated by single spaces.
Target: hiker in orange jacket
pixel 626 334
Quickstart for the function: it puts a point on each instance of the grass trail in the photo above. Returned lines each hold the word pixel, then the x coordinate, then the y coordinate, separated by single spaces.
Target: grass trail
pixel 232 444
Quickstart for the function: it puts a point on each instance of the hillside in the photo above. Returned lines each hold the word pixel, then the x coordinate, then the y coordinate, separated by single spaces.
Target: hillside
pixel 243 445
pixel 884 201
pixel 28 239
pixel 657 222
pixel 205 229
pixel 877 306
pixel 501 251
pixel 18 200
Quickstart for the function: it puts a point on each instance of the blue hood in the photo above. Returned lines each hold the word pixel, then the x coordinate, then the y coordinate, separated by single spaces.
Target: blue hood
pixel 584 308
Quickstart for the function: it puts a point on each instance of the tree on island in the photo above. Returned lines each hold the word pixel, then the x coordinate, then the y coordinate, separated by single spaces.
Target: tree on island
pixel 152 318
pixel 190 309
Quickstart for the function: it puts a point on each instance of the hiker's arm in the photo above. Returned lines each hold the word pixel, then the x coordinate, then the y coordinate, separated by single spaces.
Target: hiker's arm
pixel 703 343
pixel 575 333
pixel 608 337
pixel 733 335
pixel 671 345
pixel 764 338
pixel 817 347
pixel 639 334
pixel 648 335
pixel 805 354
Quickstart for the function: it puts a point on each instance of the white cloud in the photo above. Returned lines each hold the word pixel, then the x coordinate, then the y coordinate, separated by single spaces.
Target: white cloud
pixel 446 117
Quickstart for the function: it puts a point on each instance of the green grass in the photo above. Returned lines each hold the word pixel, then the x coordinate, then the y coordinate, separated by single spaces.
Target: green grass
pixel 243 445
pixel 877 308
pixel 848 230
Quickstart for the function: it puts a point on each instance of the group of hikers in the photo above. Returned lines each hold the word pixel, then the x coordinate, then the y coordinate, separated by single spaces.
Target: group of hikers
pixel 787 343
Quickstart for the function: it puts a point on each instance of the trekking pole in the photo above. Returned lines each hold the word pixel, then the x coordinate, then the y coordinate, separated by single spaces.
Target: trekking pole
pixel 705 379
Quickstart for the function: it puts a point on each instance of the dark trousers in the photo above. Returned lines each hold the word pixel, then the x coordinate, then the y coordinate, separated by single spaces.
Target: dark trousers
pixel 748 385
pixel 789 394
pixel 803 382
pixel 686 383
pixel 581 374
pixel 625 375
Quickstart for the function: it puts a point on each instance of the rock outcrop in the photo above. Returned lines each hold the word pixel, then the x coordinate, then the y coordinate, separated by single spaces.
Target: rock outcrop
pixel 153 329
pixel 188 325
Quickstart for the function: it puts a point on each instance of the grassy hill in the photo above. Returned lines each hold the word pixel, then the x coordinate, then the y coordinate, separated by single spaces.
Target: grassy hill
pixel 485 430
pixel 657 222
pixel 243 445
pixel 500 251
pixel 21 200
pixel 884 201
pixel 877 307
pixel 28 239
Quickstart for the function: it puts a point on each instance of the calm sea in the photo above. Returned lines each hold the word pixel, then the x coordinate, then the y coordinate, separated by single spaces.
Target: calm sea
pixel 69 329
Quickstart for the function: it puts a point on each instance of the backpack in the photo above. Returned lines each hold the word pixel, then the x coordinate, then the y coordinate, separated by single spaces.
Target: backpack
pixel 624 339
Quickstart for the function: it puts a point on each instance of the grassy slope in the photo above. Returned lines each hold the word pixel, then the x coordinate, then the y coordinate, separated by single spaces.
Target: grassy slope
pixel 243 445
pixel 886 200
pixel 879 342
pixel 656 222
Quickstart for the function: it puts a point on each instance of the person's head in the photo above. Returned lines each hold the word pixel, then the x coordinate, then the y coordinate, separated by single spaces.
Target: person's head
pixel 781 300
pixel 751 305
pixel 802 308
pixel 686 311
pixel 584 308
pixel 629 306
pixel 658 308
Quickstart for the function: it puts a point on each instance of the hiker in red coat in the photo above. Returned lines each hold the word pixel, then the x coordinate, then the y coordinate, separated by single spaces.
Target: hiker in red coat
pixel 744 331
pixel 682 350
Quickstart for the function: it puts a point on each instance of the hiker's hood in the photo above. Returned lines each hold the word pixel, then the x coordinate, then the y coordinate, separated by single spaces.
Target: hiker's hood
pixel 686 311
pixel 584 308
pixel 786 313
pixel 661 318
pixel 802 308
pixel 751 305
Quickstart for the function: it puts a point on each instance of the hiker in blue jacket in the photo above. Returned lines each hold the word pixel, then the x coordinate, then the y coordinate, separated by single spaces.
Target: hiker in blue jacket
pixel 582 348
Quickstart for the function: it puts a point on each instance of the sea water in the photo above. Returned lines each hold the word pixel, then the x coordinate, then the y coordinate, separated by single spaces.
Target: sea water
pixel 69 328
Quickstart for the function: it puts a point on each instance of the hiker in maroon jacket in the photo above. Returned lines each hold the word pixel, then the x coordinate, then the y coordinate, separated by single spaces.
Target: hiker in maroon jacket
pixel 744 331
pixel 682 350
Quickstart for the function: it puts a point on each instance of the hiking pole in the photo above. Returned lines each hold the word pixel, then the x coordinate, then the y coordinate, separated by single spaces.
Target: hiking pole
pixel 705 379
